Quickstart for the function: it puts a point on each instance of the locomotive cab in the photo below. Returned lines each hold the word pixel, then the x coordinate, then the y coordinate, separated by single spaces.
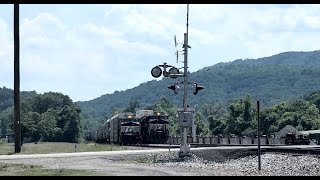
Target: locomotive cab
pixel 129 130
pixel 155 128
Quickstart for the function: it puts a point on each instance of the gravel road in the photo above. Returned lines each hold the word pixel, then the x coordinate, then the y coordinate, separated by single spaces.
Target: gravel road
pixel 203 162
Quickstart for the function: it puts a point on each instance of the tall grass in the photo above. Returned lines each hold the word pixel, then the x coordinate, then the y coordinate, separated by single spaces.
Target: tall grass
pixel 6 148
pixel 58 147
pixel 32 170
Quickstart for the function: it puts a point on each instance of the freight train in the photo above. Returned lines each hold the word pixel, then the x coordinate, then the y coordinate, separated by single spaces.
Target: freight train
pixel 144 127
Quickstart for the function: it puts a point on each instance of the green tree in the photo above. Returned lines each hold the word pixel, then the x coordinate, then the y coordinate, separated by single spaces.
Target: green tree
pixel 48 125
pixel 268 119
pixel 70 122
pixel 116 111
pixel 234 118
pixel 202 126
pixel 248 113
pixel 32 120
pixel 133 106
pixel 6 118
pixel 241 118
pixel 216 126
pixel 53 100
pixel 26 126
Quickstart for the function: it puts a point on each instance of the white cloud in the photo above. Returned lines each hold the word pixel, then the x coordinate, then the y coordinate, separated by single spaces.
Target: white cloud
pixel 6 55
pixel 86 59
pixel 103 31
pixel 44 24
pixel 58 57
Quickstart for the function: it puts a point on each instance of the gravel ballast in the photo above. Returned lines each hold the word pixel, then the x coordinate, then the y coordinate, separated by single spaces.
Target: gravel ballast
pixel 200 163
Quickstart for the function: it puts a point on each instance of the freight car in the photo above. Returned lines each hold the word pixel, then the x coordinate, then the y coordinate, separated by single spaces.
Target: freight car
pixel 296 139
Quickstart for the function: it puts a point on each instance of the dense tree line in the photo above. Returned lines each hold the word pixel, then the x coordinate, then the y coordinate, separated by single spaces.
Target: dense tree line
pixel 54 117
pixel 46 117
pixel 240 116
pixel 6 97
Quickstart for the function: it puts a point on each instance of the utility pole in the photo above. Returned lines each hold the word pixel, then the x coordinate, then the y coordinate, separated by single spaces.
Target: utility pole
pixel 17 122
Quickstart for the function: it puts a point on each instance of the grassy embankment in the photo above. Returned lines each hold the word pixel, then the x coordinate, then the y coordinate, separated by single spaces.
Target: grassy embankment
pixel 57 147
pixel 7 169
pixel 31 170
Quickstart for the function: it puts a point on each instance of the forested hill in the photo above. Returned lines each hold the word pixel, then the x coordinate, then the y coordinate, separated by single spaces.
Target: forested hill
pixel 6 97
pixel 281 77
pixel 285 58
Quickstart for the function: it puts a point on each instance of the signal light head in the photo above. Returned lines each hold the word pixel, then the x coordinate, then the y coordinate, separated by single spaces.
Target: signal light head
pixel 175 88
pixel 196 88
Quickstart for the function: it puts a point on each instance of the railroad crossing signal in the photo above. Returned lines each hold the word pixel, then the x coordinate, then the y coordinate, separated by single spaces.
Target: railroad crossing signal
pixel 185 117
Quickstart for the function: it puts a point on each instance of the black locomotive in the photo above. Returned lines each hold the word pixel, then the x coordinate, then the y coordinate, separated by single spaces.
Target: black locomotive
pixel 144 127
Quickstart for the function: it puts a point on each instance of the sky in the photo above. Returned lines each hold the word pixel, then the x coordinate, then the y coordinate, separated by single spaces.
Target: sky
pixel 85 51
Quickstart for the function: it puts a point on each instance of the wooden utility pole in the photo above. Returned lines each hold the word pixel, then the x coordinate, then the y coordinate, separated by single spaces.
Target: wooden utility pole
pixel 17 122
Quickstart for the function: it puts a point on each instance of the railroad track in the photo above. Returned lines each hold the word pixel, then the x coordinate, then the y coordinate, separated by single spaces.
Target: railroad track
pixel 264 148
pixel 288 149
pixel 194 145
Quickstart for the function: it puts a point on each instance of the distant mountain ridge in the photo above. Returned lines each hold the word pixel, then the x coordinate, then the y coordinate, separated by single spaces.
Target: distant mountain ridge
pixel 284 76
pixel 298 58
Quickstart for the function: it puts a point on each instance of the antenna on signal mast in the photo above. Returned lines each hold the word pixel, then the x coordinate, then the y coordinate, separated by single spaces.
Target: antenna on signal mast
pixel 176 50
